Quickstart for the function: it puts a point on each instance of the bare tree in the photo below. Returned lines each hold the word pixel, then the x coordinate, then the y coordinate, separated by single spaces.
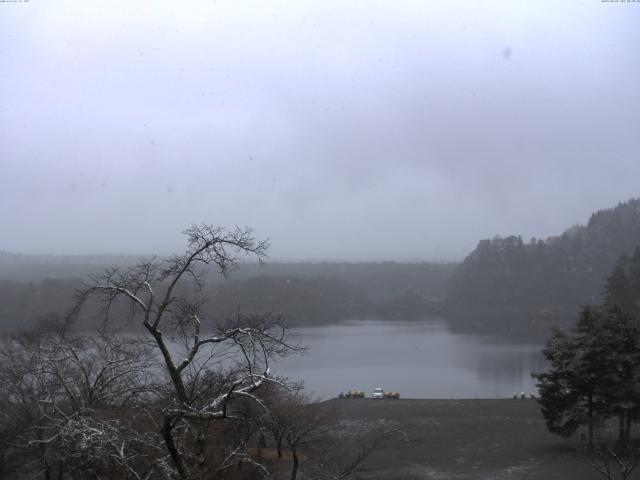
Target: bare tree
pixel 318 443
pixel 296 420
pixel 341 457
pixel 209 365
pixel 57 383
pixel 614 461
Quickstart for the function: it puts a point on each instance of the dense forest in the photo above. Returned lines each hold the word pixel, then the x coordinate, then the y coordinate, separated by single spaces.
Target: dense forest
pixel 511 286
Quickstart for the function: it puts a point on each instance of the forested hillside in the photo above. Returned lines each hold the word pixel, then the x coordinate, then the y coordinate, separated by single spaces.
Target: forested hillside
pixel 511 285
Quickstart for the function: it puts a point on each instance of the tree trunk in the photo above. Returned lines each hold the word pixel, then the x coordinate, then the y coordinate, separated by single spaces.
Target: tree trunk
pixel 262 443
pixel 200 451
pixel 173 449
pixel 623 428
pixel 590 420
pixel 174 374
pixel 47 468
pixel 294 455
pixel 279 448
pixel 620 428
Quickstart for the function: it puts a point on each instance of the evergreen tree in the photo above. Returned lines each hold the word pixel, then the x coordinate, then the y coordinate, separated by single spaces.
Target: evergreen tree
pixel 623 285
pixel 594 369
pixel 569 391
pixel 619 345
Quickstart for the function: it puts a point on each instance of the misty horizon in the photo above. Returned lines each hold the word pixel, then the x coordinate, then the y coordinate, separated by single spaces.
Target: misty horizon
pixel 338 131
pixel 100 256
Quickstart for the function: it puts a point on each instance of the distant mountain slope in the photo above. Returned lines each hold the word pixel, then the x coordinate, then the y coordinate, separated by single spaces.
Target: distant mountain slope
pixel 507 284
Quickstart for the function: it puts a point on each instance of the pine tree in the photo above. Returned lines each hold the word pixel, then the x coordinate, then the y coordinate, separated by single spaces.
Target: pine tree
pixel 569 391
pixel 594 369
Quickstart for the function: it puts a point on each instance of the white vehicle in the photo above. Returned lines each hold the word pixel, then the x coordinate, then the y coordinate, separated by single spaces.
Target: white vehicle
pixel 378 393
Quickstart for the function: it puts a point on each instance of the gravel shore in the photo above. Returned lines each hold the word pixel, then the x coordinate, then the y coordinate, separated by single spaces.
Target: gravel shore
pixel 465 439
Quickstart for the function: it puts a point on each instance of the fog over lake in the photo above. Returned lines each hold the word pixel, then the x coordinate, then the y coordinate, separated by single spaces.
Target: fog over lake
pixel 419 360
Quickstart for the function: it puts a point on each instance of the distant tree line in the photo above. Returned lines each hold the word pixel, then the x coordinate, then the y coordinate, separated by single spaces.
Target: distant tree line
pixel 34 268
pixel 386 290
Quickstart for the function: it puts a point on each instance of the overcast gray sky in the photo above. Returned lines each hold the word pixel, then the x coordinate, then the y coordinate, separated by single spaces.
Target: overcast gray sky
pixel 340 130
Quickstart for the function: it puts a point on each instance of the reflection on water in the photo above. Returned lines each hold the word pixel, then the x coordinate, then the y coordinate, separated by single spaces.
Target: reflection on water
pixel 419 360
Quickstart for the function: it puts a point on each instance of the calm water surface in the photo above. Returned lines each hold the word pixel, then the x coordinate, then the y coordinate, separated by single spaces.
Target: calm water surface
pixel 419 360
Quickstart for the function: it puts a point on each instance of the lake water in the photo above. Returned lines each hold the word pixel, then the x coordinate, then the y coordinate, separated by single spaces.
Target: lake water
pixel 417 359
